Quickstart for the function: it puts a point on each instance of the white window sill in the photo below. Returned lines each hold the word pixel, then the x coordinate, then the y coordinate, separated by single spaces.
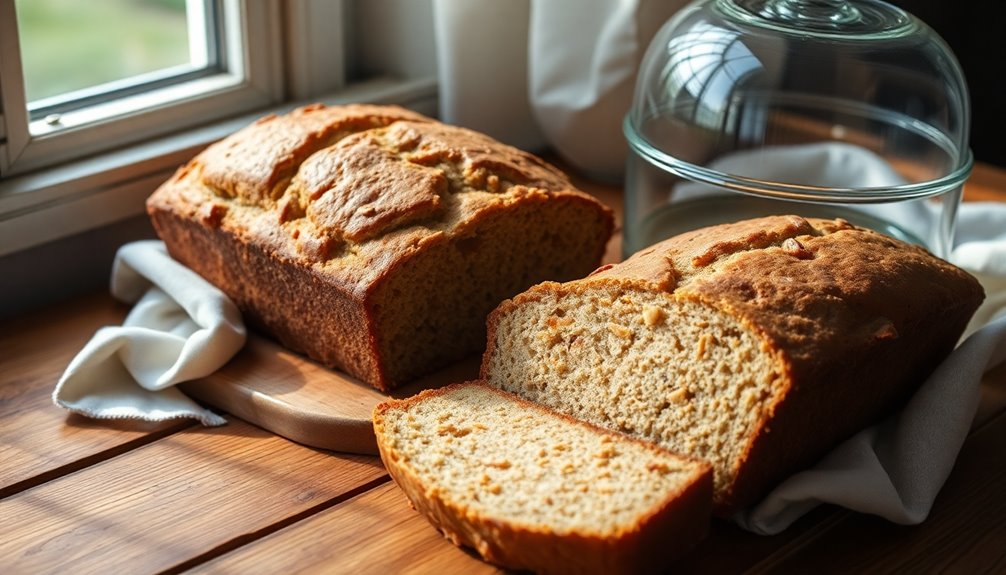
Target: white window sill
pixel 55 203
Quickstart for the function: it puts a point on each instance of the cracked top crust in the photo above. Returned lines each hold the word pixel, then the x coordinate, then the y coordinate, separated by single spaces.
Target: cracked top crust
pixel 812 286
pixel 354 187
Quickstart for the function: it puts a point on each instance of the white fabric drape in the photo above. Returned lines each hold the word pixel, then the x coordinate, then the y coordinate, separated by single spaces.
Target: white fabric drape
pixel 555 72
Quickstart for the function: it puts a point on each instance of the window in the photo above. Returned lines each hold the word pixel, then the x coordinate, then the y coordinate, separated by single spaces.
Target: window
pixel 70 60
pixel 92 76
pixel 83 157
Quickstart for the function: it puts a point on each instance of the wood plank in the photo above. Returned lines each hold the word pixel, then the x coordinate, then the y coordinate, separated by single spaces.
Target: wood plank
pixel 184 498
pixel 38 440
pixel 963 534
pixel 730 549
pixel 376 532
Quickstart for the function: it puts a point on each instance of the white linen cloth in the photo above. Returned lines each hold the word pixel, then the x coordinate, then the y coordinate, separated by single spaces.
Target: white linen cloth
pixel 562 72
pixel 181 328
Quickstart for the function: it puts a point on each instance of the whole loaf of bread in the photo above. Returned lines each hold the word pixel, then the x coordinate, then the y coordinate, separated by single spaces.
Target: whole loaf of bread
pixel 756 346
pixel 372 238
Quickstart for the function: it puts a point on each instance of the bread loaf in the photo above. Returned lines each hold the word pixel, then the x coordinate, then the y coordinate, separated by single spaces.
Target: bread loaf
pixel 374 239
pixel 531 489
pixel 756 346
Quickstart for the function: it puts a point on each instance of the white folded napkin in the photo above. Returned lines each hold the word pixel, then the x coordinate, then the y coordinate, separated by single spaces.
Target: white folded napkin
pixel 181 328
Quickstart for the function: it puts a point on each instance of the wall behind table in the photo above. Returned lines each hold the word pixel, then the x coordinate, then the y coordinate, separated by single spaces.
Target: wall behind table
pixel 976 32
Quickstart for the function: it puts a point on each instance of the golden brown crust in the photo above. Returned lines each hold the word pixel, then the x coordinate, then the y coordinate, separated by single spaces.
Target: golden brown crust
pixel 663 534
pixel 855 320
pixel 344 200
pixel 253 165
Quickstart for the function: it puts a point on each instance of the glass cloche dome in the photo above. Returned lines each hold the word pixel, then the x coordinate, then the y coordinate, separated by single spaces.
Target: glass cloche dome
pixel 829 108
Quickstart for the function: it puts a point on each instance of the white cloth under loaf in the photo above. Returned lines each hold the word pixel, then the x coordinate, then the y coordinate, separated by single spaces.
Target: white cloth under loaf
pixel 181 328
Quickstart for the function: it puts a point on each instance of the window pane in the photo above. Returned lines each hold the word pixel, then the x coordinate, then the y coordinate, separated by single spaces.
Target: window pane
pixel 68 46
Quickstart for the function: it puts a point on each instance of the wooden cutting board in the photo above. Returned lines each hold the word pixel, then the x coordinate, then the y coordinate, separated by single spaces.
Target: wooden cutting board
pixel 301 400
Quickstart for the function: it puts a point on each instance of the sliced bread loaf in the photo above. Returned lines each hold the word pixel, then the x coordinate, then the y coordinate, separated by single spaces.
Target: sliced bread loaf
pixel 755 346
pixel 528 488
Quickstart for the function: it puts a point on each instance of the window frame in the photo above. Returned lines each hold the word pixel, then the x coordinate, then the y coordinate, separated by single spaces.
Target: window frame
pixel 206 57
pixel 250 78
pixel 47 207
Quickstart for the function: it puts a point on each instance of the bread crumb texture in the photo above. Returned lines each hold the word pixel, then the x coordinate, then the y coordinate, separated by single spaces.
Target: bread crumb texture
pixel 696 383
pixel 513 462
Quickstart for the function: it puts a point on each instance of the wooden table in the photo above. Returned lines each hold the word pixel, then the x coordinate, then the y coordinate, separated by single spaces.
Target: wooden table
pixel 84 496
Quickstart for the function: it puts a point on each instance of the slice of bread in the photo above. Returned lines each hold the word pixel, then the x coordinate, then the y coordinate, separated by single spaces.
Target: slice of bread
pixel 529 488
